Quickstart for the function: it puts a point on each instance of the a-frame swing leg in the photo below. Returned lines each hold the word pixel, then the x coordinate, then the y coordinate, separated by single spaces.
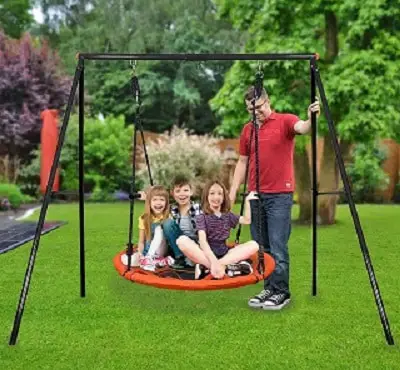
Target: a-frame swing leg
pixel 314 183
pixel 356 220
pixel 81 94
pixel 43 210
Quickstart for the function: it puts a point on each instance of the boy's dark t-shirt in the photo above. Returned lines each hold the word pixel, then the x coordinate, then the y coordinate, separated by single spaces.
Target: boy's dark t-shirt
pixel 217 229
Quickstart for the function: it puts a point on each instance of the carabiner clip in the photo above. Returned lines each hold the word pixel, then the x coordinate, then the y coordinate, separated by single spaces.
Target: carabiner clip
pixel 132 63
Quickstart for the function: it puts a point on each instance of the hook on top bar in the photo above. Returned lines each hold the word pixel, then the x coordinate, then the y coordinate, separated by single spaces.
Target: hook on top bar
pixel 133 64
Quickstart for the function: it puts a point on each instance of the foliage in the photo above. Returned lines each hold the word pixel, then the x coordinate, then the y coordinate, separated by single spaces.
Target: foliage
pixel 173 93
pixel 108 153
pixel 9 168
pixel 360 83
pixel 29 176
pixel 30 82
pixel 15 17
pixel 107 160
pixel 396 197
pixel 11 194
pixel 269 28
pixel 182 153
pixel 365 172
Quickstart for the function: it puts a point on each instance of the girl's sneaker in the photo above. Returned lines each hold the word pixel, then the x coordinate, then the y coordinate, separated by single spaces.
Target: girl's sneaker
pixel 147 263
pixel 163 261
pixel 200 271
pixel 241 268
pixel 134 259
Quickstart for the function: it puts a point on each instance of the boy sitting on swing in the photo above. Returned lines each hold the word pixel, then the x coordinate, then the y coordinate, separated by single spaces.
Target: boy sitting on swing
pixel 182 221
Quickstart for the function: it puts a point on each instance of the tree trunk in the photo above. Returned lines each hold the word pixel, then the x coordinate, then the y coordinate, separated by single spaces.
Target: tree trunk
pixel 328 181
pixel 303 186
pixel 331 36
pixel 329 175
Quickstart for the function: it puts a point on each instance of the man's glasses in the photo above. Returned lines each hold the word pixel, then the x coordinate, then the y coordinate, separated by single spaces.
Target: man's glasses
pixel 257 107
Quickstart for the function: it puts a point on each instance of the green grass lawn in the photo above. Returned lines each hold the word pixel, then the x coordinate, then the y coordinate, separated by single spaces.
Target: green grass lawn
pixel 120 325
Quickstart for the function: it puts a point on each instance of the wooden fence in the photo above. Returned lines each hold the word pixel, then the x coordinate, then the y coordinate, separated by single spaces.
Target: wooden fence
pixel 230 150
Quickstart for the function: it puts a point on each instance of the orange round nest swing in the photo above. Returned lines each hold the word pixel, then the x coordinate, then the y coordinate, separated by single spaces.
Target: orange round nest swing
pixel 167 278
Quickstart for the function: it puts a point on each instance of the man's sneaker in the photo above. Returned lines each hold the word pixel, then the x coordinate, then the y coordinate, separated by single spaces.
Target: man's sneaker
pixel 241 268
pixel 277 301
pixel 200 271
pixel 147 263
pixel 259 300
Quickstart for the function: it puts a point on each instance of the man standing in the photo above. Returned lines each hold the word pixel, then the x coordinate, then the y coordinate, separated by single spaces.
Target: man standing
pixel 276 178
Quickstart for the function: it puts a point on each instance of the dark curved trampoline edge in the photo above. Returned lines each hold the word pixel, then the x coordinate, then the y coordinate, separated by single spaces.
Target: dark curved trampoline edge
pixel 19 233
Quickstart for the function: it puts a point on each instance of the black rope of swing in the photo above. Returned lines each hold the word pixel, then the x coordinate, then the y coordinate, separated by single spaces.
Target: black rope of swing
pixel 237 240
pixel 257 94
pixel 258 88
pixel 137 125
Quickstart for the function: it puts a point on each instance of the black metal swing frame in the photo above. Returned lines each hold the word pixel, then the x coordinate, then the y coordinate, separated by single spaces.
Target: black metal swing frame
pixel 315 82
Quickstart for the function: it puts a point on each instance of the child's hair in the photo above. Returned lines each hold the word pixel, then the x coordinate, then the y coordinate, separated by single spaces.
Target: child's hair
pixel 179 181
pixel 160 191
pixel 205 205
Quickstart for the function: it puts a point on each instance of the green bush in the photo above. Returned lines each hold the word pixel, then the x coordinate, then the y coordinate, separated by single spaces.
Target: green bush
pixel 107 160
pixel 108 153
pixel 12 194
pixel 366 173
pixel 181 154
pixel 29 176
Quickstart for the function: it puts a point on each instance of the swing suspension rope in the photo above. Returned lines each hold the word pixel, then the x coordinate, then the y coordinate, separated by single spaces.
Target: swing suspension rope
pixel 166 277
pixel 258 87
pixel 135 89
pixel 137 125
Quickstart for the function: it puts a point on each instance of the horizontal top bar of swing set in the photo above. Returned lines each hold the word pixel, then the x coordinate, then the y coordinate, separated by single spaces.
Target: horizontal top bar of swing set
pixel 196 57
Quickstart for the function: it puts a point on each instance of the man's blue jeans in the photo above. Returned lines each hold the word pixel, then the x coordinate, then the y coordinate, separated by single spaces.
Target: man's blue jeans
pixel 276 228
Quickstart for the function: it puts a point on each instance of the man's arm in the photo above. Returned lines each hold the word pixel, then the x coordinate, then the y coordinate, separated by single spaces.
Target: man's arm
pixel 304 127
pixel 238 177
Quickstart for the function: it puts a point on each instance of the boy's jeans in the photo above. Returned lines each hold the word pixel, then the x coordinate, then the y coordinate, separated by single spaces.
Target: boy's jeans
pixel 276 229
pixel 172 232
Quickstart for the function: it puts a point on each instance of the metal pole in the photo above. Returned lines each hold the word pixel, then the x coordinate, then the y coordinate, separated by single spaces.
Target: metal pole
pixel 197 57
pixel 356 220
pixel 81 178
pixel 43 210
pixel 314 181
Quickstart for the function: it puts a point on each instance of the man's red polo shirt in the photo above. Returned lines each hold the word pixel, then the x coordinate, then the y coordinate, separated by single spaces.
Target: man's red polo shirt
pixel 276 147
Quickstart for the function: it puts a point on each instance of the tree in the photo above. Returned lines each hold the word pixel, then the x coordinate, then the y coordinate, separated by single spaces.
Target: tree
pixel 359 46
pixel 15 17
pixel 174 93
pixel 30 81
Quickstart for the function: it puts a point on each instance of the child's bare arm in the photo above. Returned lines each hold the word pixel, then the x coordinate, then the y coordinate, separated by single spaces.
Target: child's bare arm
pixel 141 241
pixel 246 218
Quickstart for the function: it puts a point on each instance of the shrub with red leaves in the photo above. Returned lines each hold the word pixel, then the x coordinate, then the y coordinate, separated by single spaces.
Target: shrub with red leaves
pixel 30 82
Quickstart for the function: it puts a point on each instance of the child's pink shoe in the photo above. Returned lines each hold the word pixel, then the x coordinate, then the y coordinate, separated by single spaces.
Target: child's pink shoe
pixel 147 263
pixel 164 261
